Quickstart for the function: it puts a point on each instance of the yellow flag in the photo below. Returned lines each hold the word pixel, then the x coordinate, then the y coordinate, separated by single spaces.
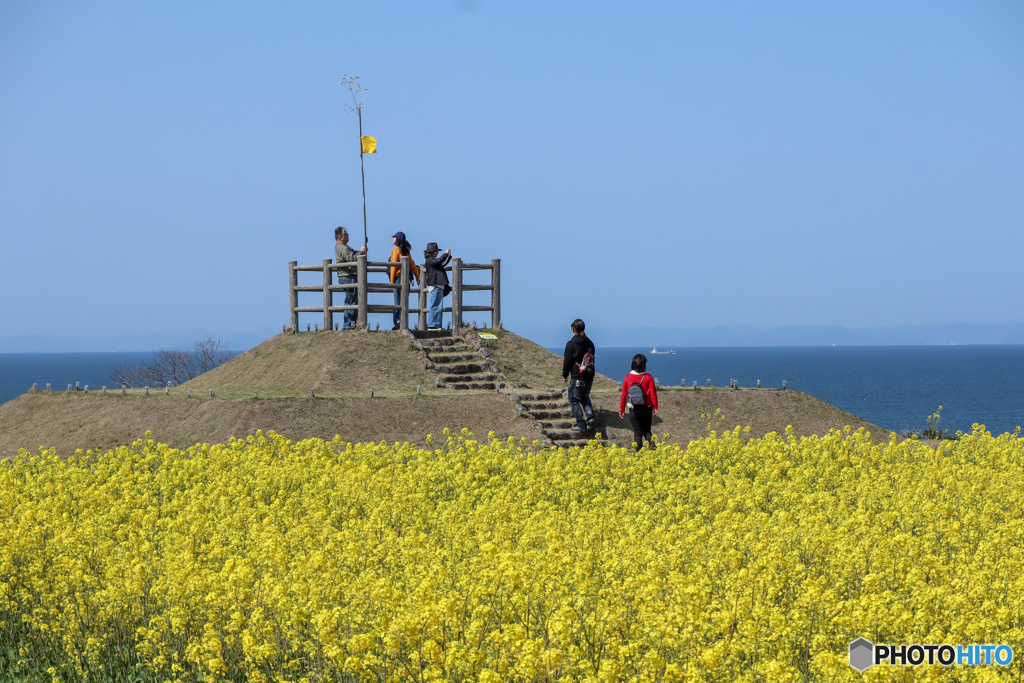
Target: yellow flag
pixel 369 144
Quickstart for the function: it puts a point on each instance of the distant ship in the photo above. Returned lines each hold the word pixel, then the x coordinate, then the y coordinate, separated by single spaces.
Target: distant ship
pixel 661 353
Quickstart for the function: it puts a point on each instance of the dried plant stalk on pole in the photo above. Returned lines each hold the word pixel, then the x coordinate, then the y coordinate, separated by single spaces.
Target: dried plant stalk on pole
pixel 354 88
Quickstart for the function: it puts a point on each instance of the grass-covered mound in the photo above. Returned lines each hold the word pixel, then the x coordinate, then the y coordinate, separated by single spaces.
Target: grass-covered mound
pixel 342 367
pixel 731 559
pixel 524 361
pixel 342 364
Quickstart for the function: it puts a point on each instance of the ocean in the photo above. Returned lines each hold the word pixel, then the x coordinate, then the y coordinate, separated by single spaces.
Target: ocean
pixel 19 371
pixel 895 387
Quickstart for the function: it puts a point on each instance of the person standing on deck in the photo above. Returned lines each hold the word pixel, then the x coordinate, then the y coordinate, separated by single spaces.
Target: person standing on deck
pixel 402 248
pixel 436 281
pixel 347 275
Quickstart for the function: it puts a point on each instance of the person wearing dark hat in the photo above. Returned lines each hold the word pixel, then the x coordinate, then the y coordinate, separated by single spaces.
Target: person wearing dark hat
pixel 347 275
pixel 402 248
pixel 436 281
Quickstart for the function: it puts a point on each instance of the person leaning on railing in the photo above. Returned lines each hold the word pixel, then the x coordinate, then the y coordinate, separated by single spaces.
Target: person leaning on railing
pixel 347 275
pixel 436 281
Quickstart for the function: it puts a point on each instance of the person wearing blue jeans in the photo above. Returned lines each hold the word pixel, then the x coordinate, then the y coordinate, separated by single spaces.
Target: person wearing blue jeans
pixel 435 301
pixel 396 316
pixel 436 282
pixel 578 371
pixel 579 400
pixel 351 299
pixel 402 248
pixel 347 275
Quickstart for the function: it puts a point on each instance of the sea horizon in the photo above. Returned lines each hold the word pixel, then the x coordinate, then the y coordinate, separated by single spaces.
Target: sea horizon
pixel 896 387
pixel 548 335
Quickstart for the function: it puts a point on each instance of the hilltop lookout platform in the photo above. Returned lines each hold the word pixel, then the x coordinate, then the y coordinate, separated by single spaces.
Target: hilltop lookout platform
pixel 364 286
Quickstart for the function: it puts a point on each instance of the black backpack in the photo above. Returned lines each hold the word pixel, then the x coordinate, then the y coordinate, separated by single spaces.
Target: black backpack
pixel 635 395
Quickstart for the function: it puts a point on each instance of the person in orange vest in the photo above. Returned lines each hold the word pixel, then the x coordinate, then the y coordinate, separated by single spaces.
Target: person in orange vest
pixel 402 248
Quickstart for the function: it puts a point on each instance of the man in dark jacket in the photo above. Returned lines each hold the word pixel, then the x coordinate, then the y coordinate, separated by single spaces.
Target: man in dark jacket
pixel 436 281
pixel 578 351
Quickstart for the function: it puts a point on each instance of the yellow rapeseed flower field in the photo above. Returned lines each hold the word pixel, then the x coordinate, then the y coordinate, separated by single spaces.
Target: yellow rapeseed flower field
pixel 731 559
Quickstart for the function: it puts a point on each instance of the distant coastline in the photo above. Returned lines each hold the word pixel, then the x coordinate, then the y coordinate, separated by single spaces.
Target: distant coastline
pixel 945 334
pixel 807 335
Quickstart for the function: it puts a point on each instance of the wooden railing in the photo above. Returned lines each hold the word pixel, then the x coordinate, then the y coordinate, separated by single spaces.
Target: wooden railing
pixel 364 287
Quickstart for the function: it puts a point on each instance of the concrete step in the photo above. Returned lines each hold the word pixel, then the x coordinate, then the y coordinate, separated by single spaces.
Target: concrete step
pixel 545 405
pixel 551 414
pixel 569 435
pixel 468 377
pixel 482 377
pixel 463 368
pixel 447 358
pixel 463 386
pixel 555 425
pixel 538 396
pixel 433 334
pixel 440 342
pixel 569 443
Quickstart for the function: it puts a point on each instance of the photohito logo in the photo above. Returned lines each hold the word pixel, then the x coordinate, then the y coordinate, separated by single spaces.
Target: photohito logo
pixel 864 654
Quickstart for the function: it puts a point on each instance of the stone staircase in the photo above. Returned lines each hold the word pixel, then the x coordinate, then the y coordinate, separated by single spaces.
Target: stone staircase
pixel 458 363
pixel 462 363
pixel 550 413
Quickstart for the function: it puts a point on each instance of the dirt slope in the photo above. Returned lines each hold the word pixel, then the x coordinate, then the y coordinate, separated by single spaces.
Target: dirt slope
pixel 67 422
pixel 680 413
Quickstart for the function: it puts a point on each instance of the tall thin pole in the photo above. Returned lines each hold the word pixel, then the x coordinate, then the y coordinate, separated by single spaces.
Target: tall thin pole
pixel 359 109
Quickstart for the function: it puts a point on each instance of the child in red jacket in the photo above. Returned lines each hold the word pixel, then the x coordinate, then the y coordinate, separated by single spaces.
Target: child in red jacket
pixel 643 398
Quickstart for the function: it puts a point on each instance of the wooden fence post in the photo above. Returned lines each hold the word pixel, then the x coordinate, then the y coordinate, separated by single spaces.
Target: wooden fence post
pixel 293 296
pixel 456 296
pixel 403 311
pixel 421 319
pixel 328 316
pixel 361 315
pixel 495 292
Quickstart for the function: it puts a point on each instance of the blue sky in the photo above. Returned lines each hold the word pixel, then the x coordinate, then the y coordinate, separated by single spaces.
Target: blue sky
pixel 667 165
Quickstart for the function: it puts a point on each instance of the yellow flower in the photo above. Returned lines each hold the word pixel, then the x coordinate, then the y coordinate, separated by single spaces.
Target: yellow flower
pixel 730 559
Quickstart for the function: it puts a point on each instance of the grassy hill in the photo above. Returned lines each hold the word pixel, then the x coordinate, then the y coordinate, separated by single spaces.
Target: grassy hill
pixel 530 364
pixel 342 367
pixel 335 364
